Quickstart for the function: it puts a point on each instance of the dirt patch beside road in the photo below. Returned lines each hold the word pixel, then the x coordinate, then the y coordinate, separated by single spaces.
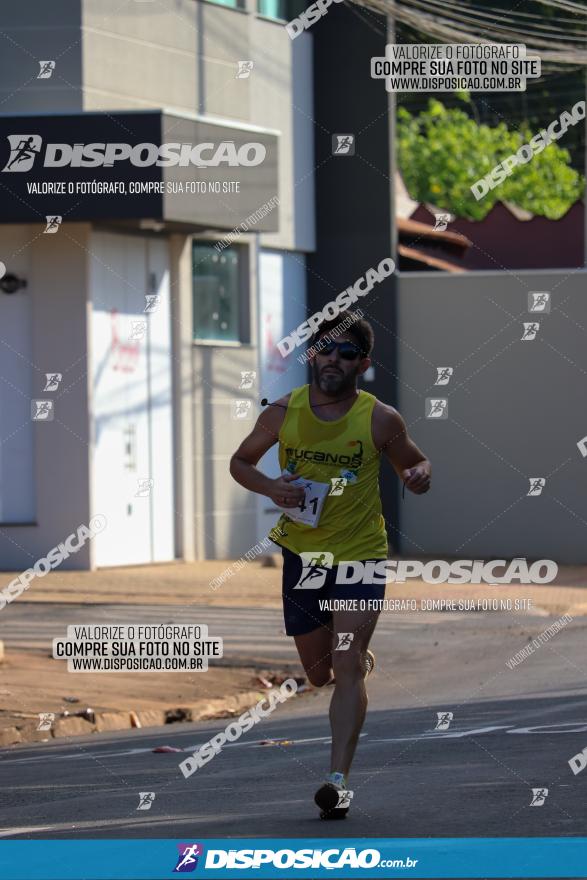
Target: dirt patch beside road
pixel 33 683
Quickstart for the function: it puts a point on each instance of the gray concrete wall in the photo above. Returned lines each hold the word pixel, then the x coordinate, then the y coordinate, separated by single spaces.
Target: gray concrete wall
pixel 139 55
pixel 183 55
pixel 183 382
pixel 33 32
pixel 57 282
pixel 222 530
pixel 282 98
pixel 516 410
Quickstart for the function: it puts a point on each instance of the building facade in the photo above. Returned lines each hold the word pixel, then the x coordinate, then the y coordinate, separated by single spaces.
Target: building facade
pixel 141 317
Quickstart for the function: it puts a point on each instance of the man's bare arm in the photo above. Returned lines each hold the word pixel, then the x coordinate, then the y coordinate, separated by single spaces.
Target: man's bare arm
pixel 391 438
pixel 243 463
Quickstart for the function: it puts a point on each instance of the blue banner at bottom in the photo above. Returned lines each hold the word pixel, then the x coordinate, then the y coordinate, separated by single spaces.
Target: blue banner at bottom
pixel 294 857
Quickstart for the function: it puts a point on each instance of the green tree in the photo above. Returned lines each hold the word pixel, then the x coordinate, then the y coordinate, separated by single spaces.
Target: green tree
pixel 442 152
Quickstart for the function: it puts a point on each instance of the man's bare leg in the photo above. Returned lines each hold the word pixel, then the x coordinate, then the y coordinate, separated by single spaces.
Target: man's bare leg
pixel 315 650
pixel 349 700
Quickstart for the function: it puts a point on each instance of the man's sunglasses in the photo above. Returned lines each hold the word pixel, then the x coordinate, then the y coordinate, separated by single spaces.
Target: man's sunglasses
pixel 348 351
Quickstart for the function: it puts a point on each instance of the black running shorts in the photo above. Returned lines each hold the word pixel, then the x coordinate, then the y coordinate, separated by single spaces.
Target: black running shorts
pixel 304 590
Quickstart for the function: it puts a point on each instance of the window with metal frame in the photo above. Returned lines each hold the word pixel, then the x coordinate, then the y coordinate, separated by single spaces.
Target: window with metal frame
pixel 218 295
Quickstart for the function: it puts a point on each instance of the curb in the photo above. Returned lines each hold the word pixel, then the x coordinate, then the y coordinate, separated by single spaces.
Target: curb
pixel 74 725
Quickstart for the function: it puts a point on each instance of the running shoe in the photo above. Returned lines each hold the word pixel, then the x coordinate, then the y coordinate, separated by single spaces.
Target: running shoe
pixel 369 662
pixel 328 797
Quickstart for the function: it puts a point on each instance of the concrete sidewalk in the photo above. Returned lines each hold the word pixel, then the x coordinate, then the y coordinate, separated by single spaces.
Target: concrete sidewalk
pixel 258 585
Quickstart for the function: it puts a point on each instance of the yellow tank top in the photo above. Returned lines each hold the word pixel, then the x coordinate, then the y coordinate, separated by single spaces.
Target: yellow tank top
pixel 351 525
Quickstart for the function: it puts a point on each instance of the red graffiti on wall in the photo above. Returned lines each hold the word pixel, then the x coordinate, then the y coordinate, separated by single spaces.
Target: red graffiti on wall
pixel 124 354
pixel 274 360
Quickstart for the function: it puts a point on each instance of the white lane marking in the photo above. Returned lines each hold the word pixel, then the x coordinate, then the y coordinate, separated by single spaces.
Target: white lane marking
pixel 431 735
pixel 142 751
pixel 559 727
pixel 576 727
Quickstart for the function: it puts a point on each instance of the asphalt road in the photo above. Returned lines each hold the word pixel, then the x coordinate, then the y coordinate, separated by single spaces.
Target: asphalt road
pixel 249 634
pixel 512 730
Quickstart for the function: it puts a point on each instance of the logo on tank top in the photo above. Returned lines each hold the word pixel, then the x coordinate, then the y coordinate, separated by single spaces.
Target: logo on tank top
pixel 352 460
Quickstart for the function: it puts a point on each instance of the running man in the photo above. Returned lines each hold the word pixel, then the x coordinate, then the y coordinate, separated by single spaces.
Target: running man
pixel 24 150
pixel 327 430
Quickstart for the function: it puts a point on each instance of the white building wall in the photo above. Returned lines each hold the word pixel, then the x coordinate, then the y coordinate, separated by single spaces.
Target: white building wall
pixel 282 280
pixel 132 463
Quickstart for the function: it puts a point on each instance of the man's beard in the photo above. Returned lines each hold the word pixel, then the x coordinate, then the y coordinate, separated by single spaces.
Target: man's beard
pixel 333 383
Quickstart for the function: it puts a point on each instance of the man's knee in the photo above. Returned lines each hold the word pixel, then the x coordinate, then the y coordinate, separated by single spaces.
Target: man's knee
pixel 348 664
pixel 319 677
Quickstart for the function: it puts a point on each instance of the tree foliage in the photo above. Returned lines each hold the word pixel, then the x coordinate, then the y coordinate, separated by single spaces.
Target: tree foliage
pixel 442 152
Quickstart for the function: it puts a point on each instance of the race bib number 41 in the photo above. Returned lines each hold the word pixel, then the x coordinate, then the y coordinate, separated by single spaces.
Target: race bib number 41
pixel 309 510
